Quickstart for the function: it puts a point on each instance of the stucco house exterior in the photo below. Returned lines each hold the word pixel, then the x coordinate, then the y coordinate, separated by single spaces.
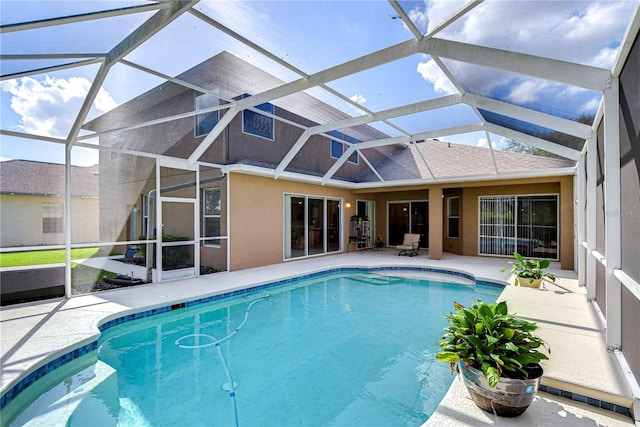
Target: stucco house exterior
pixel 243 217
pixel 32 200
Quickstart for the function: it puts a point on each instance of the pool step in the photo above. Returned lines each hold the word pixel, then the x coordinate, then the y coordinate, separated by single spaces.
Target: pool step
pixel 76 402
pixel 376 279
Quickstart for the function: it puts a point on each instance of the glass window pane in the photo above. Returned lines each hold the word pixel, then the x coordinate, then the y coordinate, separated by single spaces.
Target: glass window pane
pixel 453 206
pixel 336 149
pixel 497 225
pixel 453 228
pixel 296 213
pixel 212 227
pixel 205 122
pixel 420 222
pixel 212 201
pixel 538 226
pixel 333 225
pixel 398 222
pixel 315 223
pixel 353 158
pixel 257 124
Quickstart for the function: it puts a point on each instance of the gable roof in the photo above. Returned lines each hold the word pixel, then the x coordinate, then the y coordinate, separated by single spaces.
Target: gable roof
pixel 46 179
pixel 231 77
pixel 447 160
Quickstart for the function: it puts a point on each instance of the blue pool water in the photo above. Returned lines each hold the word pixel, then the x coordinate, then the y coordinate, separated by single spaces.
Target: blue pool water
pixel 352 349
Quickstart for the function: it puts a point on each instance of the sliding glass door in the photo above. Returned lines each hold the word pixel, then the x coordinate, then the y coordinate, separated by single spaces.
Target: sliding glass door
pixel 526 224
pixel 408 217
pixel 312 226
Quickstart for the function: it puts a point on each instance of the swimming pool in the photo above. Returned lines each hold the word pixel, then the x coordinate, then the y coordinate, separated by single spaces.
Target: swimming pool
pixel 343 348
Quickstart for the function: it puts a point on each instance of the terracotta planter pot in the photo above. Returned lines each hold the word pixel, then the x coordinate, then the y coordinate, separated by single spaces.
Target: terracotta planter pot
pixel 523 281
pixel 510 398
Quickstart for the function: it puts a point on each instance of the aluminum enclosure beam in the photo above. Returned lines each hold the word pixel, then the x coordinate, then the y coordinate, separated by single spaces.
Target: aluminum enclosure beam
pixel 477 127
pixel 579 130
pixel 81 17
pixel 549 69
pixel 405 19
pixel 375 59
pixel 613 230
pixel 540 143
pixel 381 57
pixel 141 34
pixel 453 18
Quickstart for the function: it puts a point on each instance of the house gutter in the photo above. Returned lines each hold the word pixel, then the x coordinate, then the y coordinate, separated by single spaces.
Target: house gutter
pixel 298 177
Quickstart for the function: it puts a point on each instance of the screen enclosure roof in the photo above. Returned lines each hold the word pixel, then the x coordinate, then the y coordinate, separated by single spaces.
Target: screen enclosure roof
pixel 486 74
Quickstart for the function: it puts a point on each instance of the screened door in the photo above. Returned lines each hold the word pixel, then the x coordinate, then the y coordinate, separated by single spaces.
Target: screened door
pixel 178 223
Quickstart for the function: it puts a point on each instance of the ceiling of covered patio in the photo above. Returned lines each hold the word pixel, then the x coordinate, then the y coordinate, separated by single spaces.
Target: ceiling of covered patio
pixel 479 73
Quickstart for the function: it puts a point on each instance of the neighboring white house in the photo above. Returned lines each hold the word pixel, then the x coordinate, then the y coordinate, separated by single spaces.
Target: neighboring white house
pixel 32 201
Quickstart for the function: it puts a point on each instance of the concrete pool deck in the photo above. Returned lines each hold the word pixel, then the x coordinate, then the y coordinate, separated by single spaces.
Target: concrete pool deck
pixel 33 334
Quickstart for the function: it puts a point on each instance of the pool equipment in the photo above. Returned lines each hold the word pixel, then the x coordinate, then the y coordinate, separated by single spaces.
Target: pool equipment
pixel 230 385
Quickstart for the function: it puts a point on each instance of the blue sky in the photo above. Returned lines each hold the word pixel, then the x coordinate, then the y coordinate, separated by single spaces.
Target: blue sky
pixel 312 36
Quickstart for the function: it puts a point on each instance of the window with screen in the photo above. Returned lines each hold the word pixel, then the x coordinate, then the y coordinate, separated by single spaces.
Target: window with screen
pixel 205 122
pixel 257 124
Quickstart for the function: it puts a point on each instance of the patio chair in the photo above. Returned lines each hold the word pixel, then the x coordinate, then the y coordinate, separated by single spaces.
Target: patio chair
pixel 410 245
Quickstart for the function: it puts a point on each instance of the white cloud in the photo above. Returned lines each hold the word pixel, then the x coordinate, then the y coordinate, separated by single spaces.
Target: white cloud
pixel 4 159
pixel 598 20
pixel 582 32
pixel 482 142
pixel 360 99
pixel 605 57
pixel 432 73
pixel 527 91
pixel 571 31
pixel 591 105
pixel 419 18
pixel 49 106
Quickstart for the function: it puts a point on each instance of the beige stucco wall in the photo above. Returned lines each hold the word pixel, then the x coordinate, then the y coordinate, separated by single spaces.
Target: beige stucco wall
pixel 257 207
pixel 563 186
pixel 469 193
pixel 256 212
pixel 21 221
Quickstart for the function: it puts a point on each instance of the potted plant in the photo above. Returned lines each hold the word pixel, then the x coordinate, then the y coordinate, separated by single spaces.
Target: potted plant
pixel 497 353
pixel 529 272
pixel 379 242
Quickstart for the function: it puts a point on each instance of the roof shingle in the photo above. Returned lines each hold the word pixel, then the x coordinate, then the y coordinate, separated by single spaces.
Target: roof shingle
pixel 40 178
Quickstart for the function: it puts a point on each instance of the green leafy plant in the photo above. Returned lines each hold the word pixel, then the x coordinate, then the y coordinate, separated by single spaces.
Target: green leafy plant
pixel 486 337
pixel 379 242
pixel 530 269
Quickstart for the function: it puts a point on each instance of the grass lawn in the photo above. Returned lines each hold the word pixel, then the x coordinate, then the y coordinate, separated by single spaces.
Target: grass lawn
pixel 54 256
